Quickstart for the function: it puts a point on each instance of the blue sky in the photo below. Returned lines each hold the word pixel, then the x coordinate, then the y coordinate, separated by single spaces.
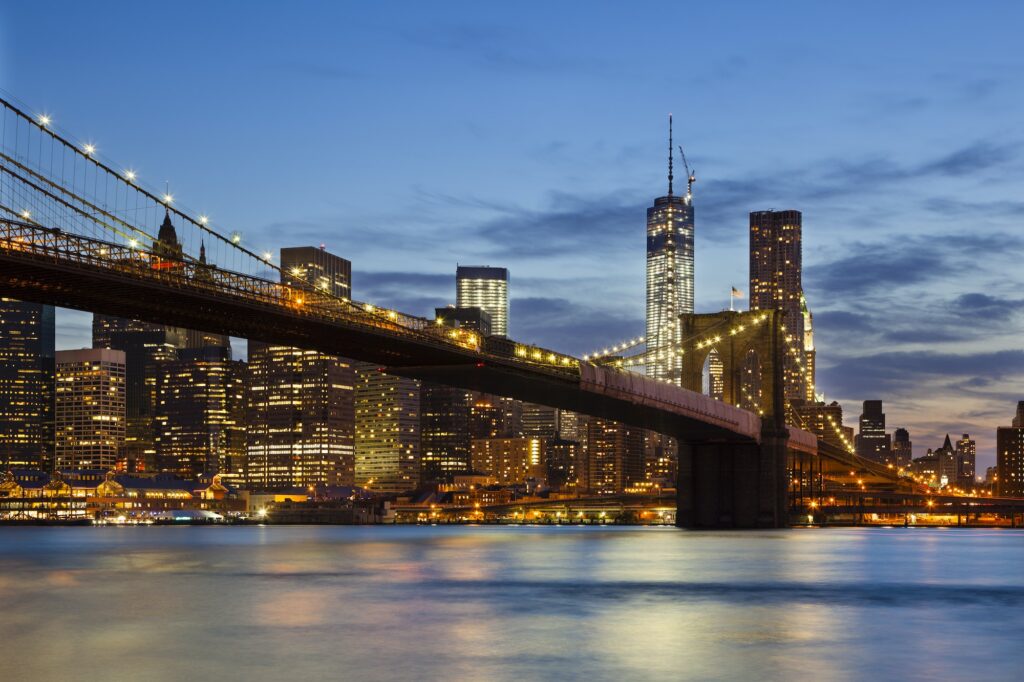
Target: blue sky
pixel 409 137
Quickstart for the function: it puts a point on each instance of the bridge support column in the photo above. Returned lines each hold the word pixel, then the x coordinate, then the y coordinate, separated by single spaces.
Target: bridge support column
pixel 733 485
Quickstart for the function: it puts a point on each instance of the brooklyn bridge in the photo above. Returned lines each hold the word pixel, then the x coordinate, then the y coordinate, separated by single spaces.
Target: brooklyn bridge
pixel 77 232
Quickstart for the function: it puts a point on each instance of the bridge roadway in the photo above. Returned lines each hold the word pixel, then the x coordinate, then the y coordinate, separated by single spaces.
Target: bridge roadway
pixel 56 267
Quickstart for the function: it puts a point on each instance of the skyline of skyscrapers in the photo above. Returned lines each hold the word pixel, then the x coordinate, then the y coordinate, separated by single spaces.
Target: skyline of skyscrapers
pixel 319 387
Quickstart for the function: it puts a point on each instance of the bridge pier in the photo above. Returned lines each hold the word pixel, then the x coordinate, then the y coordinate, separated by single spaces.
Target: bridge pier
pixel 733 484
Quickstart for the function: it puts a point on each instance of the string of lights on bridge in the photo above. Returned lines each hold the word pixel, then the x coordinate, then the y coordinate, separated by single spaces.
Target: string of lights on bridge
pixel 133 235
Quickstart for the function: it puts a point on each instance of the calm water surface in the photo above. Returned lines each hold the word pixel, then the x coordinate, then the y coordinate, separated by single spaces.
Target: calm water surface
pixel 509 603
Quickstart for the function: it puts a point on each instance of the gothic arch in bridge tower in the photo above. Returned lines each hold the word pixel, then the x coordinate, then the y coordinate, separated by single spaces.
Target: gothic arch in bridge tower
pixel 748 346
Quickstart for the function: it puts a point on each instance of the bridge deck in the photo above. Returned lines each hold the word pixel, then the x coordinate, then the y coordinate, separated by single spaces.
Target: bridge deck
pixel 56 267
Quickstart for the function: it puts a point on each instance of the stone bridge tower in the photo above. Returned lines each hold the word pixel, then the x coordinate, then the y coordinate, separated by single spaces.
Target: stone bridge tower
pixel 724 483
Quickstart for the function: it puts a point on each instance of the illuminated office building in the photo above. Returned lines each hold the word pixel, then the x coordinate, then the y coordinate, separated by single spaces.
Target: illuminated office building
pixel 201 415
pixel 825 420
pixel 300 418
pixel 540 421
pixel 613 459
pixel 26 384
pixel 670 228
pixel 89 408
pixel 776 282
pixel 301 403
pixel 486 288
pixel 510 460
pixel 387 431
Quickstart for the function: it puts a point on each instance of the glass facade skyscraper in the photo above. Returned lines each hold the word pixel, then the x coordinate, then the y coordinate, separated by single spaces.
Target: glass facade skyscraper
pixel 776 283
pixel 89 408
pixel 300 418
pixel 26 383
pixel 669 278
pixel 486 288
pixel 387 431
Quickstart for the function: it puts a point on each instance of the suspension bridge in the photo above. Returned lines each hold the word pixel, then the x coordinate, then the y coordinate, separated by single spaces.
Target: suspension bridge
pixel 77 231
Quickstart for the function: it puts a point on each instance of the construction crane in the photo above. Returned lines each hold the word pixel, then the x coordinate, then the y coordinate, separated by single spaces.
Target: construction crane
pixel 690 175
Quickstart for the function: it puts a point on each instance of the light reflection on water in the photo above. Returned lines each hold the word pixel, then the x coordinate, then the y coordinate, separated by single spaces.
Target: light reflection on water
pixel 461 603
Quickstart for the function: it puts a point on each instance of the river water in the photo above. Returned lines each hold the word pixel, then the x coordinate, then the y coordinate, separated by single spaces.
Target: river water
pixel 509 603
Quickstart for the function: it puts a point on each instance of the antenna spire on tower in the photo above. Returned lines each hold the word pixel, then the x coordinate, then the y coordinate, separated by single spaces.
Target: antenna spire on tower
pixel 670 154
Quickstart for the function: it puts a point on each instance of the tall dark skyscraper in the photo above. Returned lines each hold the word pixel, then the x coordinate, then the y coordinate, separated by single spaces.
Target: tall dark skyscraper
pixel 486 288
pixel 670 227
pixel 146 353
pixel 776 282
pixel 201 414
pixel 902 448
pixel 966 456
pixel 1010 457
pixel 872 441
pixel 445 437
pixel 301 403
pixel 26 383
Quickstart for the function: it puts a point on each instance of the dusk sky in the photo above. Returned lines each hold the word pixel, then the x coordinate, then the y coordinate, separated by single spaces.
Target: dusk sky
pixel 409 137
